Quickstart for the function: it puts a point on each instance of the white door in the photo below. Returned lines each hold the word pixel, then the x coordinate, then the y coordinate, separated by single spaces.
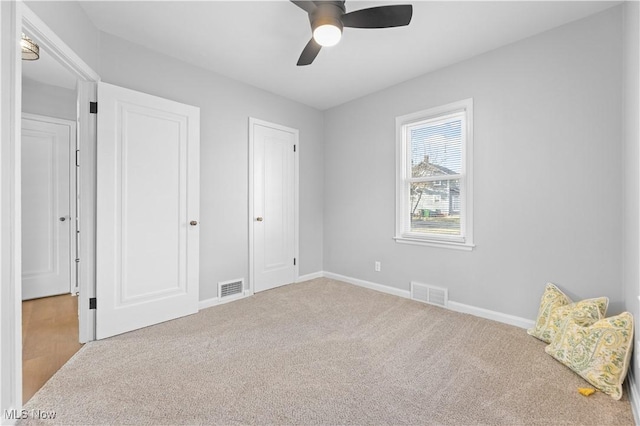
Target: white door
pixel 274 198
pixel 46 209
pixel 147 227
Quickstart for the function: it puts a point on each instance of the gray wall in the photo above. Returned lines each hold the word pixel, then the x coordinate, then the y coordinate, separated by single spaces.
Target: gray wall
pixel 44 99
pixel 547 174
pixel 631 156
pixel 225 108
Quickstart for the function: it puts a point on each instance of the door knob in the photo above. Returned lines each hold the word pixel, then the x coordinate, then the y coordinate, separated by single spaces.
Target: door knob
pixel 259 219
pixel 193 223
pixel 63 218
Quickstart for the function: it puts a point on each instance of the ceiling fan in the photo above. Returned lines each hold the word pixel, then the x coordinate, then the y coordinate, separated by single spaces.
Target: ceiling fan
pixel 328 18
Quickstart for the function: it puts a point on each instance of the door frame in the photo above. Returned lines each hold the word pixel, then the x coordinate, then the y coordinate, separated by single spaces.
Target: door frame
pixel 14 17
pixel 73 195
pixel 296 180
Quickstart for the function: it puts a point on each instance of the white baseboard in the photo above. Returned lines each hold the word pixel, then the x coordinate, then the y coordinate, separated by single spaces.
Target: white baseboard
pixel 492 315
pixel 634 396
pixel 370 285
pixel 215 301
pixel 454 306
pixel 311 276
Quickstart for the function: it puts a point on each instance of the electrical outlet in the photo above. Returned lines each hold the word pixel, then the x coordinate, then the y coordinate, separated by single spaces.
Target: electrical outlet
pixel 377 266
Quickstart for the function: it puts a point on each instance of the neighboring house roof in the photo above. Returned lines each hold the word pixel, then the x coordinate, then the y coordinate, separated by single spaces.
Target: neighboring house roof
pixel 425 168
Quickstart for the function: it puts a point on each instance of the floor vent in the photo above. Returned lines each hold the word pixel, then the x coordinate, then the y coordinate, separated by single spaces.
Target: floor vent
pixel 429 294
pixel 230 288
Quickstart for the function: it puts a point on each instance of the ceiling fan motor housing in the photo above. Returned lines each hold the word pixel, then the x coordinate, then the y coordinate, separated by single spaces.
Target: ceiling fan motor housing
pixel 327 13
pixel 328 19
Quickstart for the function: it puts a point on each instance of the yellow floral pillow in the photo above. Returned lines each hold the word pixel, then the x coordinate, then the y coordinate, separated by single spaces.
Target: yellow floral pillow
pixel 555 307
pixel 600 352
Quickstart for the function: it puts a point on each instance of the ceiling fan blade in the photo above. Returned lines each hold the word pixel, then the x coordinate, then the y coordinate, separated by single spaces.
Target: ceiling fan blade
pixel 309 53
pixel 379 17
pixel 306 5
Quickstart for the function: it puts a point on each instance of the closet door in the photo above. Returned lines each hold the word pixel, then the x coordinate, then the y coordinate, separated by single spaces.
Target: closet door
pixel 46 212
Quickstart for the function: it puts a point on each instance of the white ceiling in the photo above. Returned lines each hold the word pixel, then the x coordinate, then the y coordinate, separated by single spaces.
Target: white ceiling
pixel 259 42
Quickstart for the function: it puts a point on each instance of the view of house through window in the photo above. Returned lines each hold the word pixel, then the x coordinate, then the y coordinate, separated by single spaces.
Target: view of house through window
pixel 434 183
pixel 436 166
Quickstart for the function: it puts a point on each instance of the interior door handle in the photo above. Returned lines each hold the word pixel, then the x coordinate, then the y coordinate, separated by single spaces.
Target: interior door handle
pixel 63 218
pixel 259 219
pixel 193 223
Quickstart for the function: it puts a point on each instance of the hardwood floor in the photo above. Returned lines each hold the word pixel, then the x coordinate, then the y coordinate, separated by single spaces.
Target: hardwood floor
pixel 49 339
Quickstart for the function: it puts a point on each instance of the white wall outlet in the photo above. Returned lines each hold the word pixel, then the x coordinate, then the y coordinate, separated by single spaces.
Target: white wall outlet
pixel 377 266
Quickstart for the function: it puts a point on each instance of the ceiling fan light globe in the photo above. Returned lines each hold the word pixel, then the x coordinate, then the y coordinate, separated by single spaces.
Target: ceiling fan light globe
pixel 327 35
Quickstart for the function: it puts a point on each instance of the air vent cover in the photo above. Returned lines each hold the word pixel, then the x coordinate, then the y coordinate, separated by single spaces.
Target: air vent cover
pixel 230 288
pixel 429 294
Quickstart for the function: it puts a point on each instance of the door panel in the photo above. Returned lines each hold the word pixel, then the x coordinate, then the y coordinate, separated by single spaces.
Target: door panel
pixel 274 220
pixel 46 218
pixel 148 192
pixel 276 186
pixel 152 206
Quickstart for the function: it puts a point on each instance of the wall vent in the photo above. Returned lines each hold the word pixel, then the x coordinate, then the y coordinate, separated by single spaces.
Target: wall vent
pixel 429 294
pixel 230 288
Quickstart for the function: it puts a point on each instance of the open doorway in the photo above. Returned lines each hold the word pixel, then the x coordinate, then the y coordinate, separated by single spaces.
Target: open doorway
pixel 16 18
pixel 50 322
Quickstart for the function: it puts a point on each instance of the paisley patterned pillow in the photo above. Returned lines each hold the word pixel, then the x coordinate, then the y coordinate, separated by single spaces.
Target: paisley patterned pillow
pixel 584 313
pixel 555 307
pixel 552 298
pixel 600 352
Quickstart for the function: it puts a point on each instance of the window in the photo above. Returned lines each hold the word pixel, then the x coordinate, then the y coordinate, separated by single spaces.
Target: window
pixel 434 189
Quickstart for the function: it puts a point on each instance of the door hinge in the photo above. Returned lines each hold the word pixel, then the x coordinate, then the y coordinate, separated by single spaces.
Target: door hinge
pixel 77 158
pixel 294 261
pixel 294 148
pixel 92 303
pixel 78 260
pixel 93 107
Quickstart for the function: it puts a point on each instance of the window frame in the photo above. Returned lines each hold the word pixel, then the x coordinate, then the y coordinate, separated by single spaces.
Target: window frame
pixel 403 233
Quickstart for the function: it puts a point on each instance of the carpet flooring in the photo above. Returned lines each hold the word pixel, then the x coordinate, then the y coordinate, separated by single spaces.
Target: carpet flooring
pixel 321 352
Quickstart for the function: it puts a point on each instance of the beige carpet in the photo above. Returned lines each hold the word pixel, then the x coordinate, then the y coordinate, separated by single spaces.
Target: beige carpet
pixel 322 352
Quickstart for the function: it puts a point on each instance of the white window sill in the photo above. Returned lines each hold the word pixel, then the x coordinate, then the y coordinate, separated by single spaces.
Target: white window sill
pixel 435 243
